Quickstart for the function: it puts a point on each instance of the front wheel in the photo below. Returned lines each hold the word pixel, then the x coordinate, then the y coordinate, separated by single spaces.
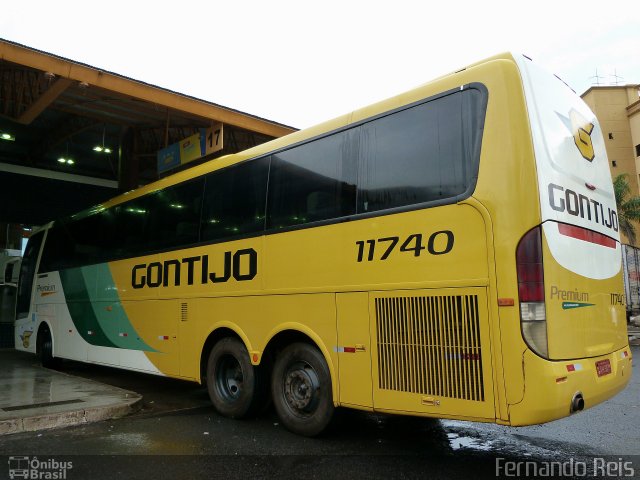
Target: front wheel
pixel 44 348
pixel 237 389
pixel 301 389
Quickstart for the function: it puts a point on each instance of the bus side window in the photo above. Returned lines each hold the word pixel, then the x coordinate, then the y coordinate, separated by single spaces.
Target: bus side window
pixel 174 215
pixel 59 250
pixel 312 182
pixel 91 239
pixel 234 200
pixel 131 224
pixel 422 154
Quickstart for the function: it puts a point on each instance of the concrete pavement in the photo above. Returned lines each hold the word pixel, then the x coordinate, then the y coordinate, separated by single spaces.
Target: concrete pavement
pixel 35 398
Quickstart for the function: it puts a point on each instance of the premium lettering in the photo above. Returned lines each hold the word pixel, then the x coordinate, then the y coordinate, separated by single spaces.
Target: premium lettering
pixel 573 295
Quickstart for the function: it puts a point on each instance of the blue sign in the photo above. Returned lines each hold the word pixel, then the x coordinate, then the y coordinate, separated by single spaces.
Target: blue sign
pixel 169 158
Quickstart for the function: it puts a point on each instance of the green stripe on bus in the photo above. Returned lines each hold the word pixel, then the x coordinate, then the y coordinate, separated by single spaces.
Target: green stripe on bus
pixel 79 304
pixel 109 311
pixel 96 310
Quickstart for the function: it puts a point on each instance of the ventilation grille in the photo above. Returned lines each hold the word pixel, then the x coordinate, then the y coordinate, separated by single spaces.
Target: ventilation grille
pixel 430 346
pixel 184 312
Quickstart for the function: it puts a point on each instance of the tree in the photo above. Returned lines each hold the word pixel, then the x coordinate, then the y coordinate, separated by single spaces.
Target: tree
pixel 628 207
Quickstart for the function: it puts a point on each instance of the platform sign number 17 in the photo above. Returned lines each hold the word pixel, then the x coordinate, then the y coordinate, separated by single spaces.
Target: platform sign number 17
pixel 213 138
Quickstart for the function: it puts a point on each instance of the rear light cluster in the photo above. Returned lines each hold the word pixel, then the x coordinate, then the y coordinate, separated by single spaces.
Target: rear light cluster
pixel 533 317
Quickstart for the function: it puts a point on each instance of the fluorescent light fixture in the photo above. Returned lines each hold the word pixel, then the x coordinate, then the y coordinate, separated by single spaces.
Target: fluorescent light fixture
pixel 62 160
pixel 68 161
pixel 101 149
pixel 7 136
pixel 135 210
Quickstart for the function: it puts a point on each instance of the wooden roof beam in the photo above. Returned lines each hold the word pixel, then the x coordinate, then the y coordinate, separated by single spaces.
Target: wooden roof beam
pixel 62 67
pixel 44 100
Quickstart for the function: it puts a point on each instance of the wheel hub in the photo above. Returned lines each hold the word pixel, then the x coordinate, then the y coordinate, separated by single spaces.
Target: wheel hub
pixel 230 377
pixel 301 388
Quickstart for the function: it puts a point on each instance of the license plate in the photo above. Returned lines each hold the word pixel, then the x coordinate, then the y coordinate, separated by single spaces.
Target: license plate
pixel 603 367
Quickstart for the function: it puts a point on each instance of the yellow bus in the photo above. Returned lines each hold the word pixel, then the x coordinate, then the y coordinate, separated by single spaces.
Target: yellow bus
pixel 451 252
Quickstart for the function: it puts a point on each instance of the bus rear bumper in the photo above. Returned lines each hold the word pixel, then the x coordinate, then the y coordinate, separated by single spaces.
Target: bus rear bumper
pixel 553 388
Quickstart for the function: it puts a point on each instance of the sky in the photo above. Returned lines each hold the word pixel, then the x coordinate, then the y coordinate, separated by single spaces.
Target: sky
pixel 301 62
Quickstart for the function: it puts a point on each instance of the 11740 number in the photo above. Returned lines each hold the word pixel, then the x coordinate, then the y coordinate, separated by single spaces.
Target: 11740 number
pixel 438 243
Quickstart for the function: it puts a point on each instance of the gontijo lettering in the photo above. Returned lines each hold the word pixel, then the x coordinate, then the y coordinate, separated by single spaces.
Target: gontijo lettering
pixel 242 266
pixel 578 205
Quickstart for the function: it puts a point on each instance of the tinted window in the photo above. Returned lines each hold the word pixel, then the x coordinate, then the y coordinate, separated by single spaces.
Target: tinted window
pixel 424 153
pixel 58 250
pixel 174 216
pixel 234 201
pixel 78 242
pixel 165 219
pixel 312 182
pixel 27 274
pixel 131 220
pixel 90 240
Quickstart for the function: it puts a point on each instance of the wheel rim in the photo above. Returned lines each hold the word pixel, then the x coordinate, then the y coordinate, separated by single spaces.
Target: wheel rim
pixel 302 388
pixel 229 378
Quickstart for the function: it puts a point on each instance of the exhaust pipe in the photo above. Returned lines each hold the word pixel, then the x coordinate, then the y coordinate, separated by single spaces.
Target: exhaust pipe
pixel 577 403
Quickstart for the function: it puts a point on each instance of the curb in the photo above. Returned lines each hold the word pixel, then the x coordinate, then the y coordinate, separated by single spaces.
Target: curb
pixel 70 418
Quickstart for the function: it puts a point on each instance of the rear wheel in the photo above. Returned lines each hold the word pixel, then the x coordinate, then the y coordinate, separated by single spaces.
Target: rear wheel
pixel 301 389
pixel 237 389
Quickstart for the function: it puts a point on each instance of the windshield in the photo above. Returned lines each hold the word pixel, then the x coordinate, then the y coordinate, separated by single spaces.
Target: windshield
pixel 27 272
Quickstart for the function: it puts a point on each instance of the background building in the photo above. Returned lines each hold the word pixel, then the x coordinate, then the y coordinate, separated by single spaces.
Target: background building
pixel 618 110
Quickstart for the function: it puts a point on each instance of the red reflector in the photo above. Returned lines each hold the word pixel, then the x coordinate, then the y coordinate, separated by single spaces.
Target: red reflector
pixel 349 349
pixel 571 368
pixel 586 235
pixel 603 367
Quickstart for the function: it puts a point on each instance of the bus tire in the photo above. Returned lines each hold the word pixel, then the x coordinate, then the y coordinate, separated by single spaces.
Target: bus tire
pixel 44 348
pixel 237 389
pixel 301 389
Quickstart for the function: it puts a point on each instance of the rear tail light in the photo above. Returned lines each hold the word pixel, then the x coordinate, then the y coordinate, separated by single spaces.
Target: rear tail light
pixel 533 316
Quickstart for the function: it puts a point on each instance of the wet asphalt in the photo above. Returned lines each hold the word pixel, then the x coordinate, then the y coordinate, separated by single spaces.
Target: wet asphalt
pixel 177 434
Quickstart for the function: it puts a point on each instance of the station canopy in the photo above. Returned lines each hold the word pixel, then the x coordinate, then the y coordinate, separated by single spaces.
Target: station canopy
pixel 72 135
